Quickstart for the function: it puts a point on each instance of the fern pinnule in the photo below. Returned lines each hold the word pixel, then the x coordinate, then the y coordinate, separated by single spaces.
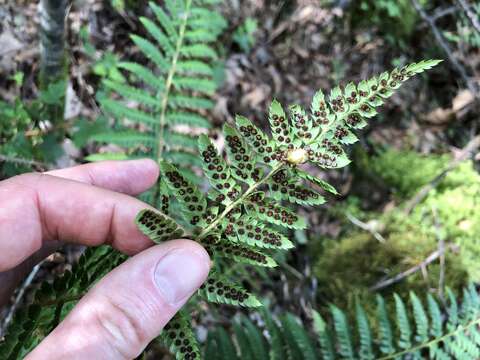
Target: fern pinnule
pixel 179 337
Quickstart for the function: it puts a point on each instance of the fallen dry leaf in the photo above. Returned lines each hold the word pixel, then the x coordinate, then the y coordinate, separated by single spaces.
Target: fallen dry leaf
pixel 460 104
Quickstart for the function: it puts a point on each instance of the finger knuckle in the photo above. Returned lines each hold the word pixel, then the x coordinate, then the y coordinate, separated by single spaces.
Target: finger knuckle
pixel 122 330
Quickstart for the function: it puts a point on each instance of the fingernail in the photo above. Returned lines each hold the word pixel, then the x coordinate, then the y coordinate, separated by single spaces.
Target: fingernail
pixel 179 273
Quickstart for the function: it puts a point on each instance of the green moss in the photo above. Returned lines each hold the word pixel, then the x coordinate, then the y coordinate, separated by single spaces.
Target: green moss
pixel 406 171
pixel 347 267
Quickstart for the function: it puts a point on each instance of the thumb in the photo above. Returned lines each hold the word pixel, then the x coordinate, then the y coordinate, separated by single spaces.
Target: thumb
pixel 129 306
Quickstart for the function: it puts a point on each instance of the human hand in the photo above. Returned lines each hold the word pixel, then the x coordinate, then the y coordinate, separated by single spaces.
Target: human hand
pixel 89 205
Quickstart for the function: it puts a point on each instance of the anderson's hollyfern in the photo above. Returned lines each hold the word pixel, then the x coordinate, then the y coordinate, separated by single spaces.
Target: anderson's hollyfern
pixel 413 332
pixel 174 89
pixel 234 219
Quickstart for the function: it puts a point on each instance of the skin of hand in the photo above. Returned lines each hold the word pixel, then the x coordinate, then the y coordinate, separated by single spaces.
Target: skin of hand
pixel 92 205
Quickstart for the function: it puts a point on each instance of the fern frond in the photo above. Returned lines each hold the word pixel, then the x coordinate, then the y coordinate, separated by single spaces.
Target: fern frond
pixel 174 89
pixel 53 301
pixel 324 338
pixel 335 340
pixel 344 339
pixel 247 190
pixel 385 327
pixel 435 336
pixel 275 336
pixel 403 323
pixel 364 333
pixel 157 226
pixel 294 331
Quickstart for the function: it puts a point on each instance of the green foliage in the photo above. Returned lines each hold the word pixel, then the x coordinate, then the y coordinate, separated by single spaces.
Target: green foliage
pixel 390 165
pixel 53 301
pixel 359 253
pixel 22 143
pixel 247 199
pixel 173 89
pixel 15 120
pixel 416 332
pixel 465 33
pixel 395 19
pixel 244 35
pixel 449 212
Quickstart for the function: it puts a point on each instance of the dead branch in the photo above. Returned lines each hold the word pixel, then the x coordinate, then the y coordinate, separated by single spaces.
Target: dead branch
pixel 472 17
pixel 441 250
pixel 22 161
pixel 431 258
pixel 367 227
pixel 443 44
pixel 465 153
pixel 18 298
pixel 440 13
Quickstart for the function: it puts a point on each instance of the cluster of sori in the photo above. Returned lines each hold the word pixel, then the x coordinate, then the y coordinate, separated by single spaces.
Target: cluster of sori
pixel 181 339
pixel 229 291
pixel 239 253
pixel 242 158
pixel 158 226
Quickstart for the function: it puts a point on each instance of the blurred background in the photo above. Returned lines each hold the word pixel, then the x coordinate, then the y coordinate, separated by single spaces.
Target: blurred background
pixel 408 214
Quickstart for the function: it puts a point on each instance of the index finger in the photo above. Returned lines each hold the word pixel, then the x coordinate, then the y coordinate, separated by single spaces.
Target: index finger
pixel 36 208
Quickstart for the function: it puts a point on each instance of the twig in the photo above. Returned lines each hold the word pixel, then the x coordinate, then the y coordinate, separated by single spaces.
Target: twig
pixel 18 298
pixel 423 192
pixel 443 12
pixel 431 258
pixel 441 41
pixel 441 250
pixel 292 270
pixel 470 15
pixel 22 161
pixel 366 227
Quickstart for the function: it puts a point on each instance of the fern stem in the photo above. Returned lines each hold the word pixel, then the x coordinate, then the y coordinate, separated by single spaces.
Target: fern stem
pixel 169 81
pixel 238 201
pixel 459 329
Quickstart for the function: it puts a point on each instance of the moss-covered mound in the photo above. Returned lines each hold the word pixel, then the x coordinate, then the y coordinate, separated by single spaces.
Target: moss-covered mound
pixel 347 267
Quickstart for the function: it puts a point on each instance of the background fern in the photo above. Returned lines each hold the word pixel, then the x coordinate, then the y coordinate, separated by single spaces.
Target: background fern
pixel 419 330
pixel 53 301
pixel 172 91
